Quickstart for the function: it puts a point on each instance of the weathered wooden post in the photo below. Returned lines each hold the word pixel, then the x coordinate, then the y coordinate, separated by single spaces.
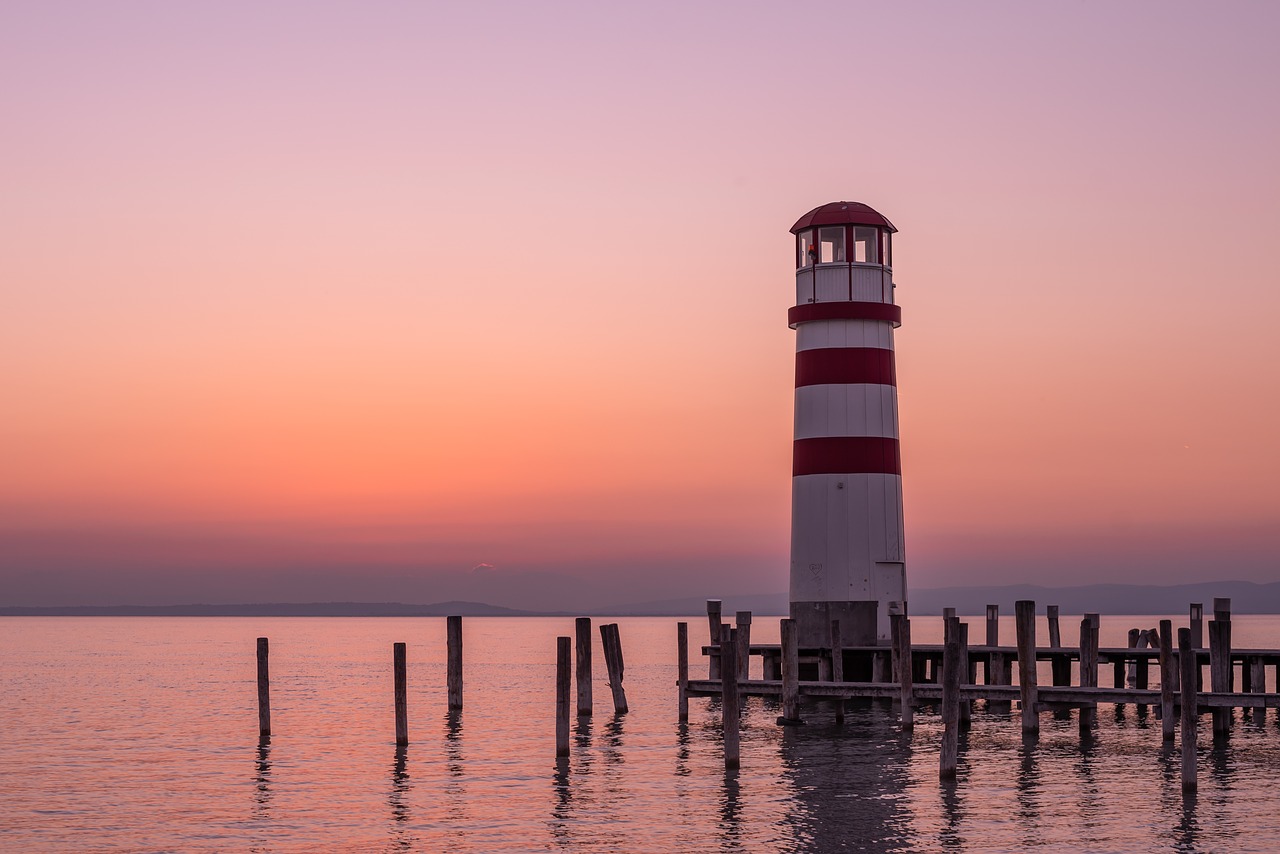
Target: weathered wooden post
pixel 743 645
pixel 1222 613
pixel 837 665
pixel 1088 668
pixel 951 669
pixel 564 654
pixel 454 676
pixel 1190 713
pixel 1166 679
pixel 1055 636
pixel 993 626
pixel 729 640
pixel 612 643
pixel 264 689
pixel 1025 617
pixel 402 694
pixel 1196 620
pixel 947 614
pixel 682 668
pixel 1132 664
pixel 582 661
pixel 790 675
pixel 1219 671
pixel 966 706
pixel 713 623
pixel 906 674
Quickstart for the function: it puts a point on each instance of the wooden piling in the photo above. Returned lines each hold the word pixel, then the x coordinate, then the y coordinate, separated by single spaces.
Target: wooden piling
pixel 1141 679
pixel 682 671
pixel 713 623
pixel 1188 666
pixel 966 706
pixel 790 675
pixel 952 667
pixel 947 614
pixel 743 644
pixel 1222 609
pixel 906 675
pixel 729 640
pixel 1055 636
pixel 1167 669
pixel 1196 622
pixel 454 676
pixel 264 689
pixel 1132 664
pixel 993 627
pixel 1025 617
pixel 1088 669
pixel 1220 670
pixel 402 694
pixel 612 643
pixel 582 662
pixel 837 665
pixel 564 653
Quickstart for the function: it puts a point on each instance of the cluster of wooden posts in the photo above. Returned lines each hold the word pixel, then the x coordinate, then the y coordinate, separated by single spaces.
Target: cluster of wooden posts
pixel 453 678
pixel 915 673
pixel 609 636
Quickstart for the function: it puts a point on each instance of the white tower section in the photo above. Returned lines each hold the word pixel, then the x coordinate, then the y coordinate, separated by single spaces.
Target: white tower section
pixel 847 559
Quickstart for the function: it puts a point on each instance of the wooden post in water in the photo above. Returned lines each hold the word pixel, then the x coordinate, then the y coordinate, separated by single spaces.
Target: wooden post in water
pixel 1219 670
pixel 713 622
pixel 564 655
pixel 1025 617
pixel 837 665
pixel 1055 636
pixel 790 675
pixel 1196 620
pixel 682 671
pixel 454 676
pixel 966 706
pixel 1167 670
pixel 1132 664
pixel 1190 714
pixel 743 645
pixel 993 627
pixel 729 640
pixel 1141 679
pixel 906 674
pixel 1060 665
pixel 1088 669
pixel 402 694
pixel 612 643
pixel 951 670
pixel 1222 613
pixel 264 689
pixel 582 662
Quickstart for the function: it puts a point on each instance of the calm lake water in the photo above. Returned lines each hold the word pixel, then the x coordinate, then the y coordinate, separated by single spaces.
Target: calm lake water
pixel 140 734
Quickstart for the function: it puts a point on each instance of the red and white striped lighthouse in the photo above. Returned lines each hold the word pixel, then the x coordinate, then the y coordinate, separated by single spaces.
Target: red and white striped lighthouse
pixel 846 487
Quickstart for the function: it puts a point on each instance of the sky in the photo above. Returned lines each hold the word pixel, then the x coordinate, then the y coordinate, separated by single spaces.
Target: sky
pixel 391 301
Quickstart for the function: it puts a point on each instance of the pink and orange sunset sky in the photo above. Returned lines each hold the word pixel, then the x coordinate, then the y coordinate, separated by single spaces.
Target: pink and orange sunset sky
pixel 306 301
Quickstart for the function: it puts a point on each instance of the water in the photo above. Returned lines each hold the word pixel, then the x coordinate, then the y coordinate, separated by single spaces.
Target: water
pixel 125 734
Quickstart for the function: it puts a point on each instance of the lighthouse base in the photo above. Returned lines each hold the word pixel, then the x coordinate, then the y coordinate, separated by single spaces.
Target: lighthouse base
pixel 857 622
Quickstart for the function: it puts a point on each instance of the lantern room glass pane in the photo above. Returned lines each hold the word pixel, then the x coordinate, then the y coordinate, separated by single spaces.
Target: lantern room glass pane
pixel 831 245
pixel 866 247
pixel 804 249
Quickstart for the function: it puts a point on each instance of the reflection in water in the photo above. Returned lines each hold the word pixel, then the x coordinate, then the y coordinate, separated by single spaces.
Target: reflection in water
pixel 455 791
pixel 847 785
pixel 562 808
pixel 1029 792
pixel 262 779
pixel 953 813
pixel 1188 826
pixel 401 837
pixel 730 812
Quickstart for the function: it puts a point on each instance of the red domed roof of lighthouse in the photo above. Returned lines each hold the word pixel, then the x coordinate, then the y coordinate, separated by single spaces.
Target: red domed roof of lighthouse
pixel 842 213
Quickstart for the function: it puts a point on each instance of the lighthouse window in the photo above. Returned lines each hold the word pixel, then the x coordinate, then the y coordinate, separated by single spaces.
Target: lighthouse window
pixel 805 249
pixel 865 245
pixel 831 245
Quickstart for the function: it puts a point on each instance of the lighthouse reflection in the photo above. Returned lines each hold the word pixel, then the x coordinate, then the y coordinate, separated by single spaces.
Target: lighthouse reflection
pixel 848 783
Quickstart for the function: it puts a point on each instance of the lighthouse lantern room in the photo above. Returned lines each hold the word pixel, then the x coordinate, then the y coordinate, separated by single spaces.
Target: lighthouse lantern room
pixel 847 560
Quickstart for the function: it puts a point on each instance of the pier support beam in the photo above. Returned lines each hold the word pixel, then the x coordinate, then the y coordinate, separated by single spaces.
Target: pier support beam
pixel 1025 616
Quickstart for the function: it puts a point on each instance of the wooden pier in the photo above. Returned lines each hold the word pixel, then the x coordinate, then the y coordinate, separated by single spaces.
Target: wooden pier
pixel 947 674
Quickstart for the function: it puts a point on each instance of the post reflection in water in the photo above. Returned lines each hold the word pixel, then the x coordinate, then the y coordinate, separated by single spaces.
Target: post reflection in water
pixel 562 805
pixel 1029 791
pixel 952 802
pixel 401 838
pixel 262 779
pixel 455 790
pixel 847 785
pixel 730 812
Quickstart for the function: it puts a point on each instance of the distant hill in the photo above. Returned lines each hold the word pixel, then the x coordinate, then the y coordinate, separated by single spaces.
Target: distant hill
pixel 278 609
pixel 1246 598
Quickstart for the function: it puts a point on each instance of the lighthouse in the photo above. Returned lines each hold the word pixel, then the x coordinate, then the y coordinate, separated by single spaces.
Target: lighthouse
pixel 847 560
